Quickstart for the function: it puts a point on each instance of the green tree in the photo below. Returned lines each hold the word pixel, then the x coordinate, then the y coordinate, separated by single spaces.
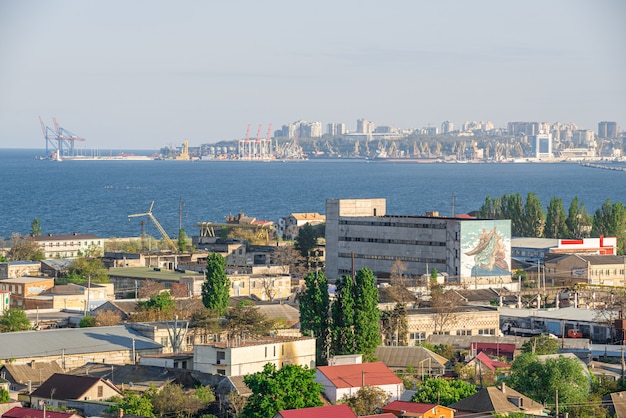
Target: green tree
pixel 161 302
pixel 534 217
pixel 368 400
pixel 14 320
pixel 610 220
pixel 306 240
pixel 36 229
pixel 540 345
pixel 515 208
pixel 82 270
pixel 314 310
pixel 367 316
pixel 216 286
pixel 540 380
pixel 343 317
pixel 578 220
pixel 135 404
pixel 443 391
pixel 24 248
pixel 394 325
pixel 247 321
pixel 4 396
pixel 88 321
pixel 182 241
pixel 291 387
pixel 173 400
pixel 556 225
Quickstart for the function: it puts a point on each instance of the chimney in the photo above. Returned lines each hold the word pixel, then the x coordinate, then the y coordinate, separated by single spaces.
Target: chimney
pixel 32 364
pixel 503 387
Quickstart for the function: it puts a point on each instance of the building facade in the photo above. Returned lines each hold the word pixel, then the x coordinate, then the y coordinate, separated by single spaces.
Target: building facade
pixel 605 270
pixel 15 269
pixel 470 251
pixel 25 287
pixel 289 226
pixel 242 357
pixel 70 246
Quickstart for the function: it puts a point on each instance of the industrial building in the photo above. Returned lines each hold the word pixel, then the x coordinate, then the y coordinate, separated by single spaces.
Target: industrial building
pixel 360 234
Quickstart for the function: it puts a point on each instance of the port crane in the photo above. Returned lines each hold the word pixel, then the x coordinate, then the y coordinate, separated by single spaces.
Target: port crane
pixel 59 139
pixel 149 214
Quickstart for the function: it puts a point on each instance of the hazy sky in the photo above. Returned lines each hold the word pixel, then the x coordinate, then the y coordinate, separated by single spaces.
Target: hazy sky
pixel 145 74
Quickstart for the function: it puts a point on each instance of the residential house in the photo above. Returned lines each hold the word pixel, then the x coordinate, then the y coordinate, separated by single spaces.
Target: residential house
pixel 346 380
pixel 20 412
pixel 25 287
pixel 289 227
pixel 56 267
pixel 29 375
pixel 73 347
pixel 335 411
pixel 6 407
pixel 567 270
pixel 128 280
pixel 423 361
pixel 123 307
pixel 418 410
pixel 616 404
pixel 483 364
pixel 496 399
pixel 60 388
pixel 70 246
pixel 17 269
pixel 245 356
pixel 71 297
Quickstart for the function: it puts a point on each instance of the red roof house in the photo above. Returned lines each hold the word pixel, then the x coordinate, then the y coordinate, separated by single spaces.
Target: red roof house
pixel 346 380
pixel 335 411
pixel 419 410
pixel 486 362
pixel 19 412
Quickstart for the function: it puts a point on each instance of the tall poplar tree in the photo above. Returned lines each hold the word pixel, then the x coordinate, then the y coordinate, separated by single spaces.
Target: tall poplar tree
pixel 343 312
pixel 556 227
pixel 314 310
pixel 534 217
pixel 578 220
pixel 216 286
pixel 367 315
pixel 610 220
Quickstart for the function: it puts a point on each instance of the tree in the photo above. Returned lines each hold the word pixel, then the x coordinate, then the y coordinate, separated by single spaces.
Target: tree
pixel 445 306
pixel 14 320
pixel 534 218
pixel 135 404
pixel 367 316
pixel 247 321
pixel 314 310
pixel 82 270
pixel 235 403
pixel 343 317
pixel 108 318
pixel 578 220
pixel 394 326
pixel 162 306
pixel 306 241
pixel 368 400
pixel 182 241
pixel 87 321
pixel 216 286
pixel 173 400
pixel 4 396
pixel 24 248
pixel 291 387
pixel 556 225
pixel 443 391
pixel 540 380
pixel 610 220
pixel 36 229
pixel 540 345
pixel 291 259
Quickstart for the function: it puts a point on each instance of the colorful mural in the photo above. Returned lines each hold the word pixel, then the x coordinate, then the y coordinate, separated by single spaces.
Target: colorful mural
pixel 486 248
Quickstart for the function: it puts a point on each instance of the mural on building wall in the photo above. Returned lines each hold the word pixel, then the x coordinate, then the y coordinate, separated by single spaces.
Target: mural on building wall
pixel 486 248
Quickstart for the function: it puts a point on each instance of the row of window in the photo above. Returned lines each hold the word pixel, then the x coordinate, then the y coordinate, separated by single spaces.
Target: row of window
pixel 394 224
pixel 394 258
pixel 71 244
pixel 393 241
pixel 606 272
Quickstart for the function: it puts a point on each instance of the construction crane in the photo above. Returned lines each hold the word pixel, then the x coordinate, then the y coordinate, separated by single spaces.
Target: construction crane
pixel 59 138
pixel 149 214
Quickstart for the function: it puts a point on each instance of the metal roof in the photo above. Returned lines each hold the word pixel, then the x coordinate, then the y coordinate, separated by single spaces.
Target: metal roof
pixel 28 344
pixel 568 314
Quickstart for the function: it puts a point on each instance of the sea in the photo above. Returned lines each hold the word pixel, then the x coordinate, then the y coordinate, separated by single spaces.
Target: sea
pixel 96 197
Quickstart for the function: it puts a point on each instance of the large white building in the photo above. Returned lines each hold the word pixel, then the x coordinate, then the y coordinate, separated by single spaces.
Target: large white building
pixel 360 234
pixel 70 246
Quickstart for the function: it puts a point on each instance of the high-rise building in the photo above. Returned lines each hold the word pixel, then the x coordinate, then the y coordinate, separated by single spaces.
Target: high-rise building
pixel 542 146
pixel 364 126
pixel 447 127
pixel 608 130
pixel 336 128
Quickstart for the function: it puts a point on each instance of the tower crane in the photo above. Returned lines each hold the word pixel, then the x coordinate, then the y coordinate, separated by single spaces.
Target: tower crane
pixel 149 214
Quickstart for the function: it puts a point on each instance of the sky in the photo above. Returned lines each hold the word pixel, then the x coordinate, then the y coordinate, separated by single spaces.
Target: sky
pixel 144 74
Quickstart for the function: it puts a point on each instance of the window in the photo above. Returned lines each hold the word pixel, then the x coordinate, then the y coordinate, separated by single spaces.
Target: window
pixel 164 341
pixel 100 391
pixel 487 331
pixel 221 371
pixel 463 332
pixel 265 351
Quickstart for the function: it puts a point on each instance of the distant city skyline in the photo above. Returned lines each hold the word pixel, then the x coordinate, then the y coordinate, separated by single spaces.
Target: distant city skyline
pixel 148 74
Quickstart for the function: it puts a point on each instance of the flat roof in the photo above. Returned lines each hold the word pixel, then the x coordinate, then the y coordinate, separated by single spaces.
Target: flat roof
pixel 568 314
pixel 537 243
pixel 26 280
pixel 150 273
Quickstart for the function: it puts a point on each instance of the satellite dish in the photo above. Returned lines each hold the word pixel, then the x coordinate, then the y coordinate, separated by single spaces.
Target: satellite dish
pixel 130 384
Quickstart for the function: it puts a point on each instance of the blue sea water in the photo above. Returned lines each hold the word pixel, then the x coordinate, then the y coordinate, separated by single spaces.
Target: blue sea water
pixel 97 196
